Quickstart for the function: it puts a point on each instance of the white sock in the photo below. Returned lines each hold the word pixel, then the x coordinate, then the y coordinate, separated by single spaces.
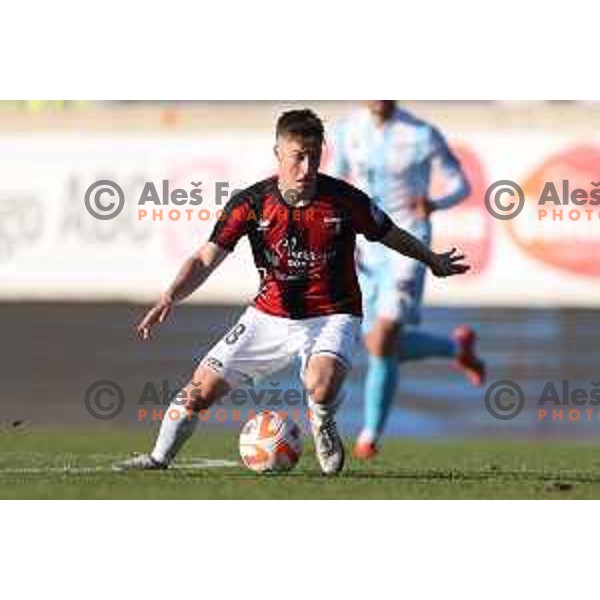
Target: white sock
pixel 177 426
pixel 322 411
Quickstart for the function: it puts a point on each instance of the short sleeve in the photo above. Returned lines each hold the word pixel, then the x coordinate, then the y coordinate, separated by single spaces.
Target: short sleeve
pixel 368 218
pixel 233 222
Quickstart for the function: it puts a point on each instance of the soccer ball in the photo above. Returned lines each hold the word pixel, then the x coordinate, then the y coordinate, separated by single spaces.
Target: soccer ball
pixel 270 444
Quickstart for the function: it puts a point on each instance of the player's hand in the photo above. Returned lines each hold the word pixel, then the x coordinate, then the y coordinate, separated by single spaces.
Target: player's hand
pixel 157 314
pixel 448 263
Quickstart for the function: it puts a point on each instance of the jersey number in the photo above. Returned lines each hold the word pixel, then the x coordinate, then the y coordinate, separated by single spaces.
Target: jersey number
pixel 234 335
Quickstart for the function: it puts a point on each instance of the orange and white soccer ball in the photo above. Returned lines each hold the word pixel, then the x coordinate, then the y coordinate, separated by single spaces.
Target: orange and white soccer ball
pixel 270 444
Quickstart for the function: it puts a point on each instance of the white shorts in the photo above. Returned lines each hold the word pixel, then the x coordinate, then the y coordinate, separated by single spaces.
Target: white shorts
pixel 260 344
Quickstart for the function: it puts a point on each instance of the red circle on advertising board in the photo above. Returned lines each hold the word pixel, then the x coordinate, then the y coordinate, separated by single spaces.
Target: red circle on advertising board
pixel 566 236
pixel 468 225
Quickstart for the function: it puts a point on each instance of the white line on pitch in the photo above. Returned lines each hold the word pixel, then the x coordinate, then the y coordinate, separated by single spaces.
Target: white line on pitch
pixel 192 465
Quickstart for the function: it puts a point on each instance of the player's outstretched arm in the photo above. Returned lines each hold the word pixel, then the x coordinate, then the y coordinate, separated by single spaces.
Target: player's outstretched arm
pixel 446 166
pixel 441 265
pixel 193 273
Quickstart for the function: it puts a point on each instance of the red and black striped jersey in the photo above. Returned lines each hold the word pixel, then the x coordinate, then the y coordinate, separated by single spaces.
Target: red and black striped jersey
pixel 304 255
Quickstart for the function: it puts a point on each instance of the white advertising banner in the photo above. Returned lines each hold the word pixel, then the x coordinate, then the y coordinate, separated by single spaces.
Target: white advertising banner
pixel 173 186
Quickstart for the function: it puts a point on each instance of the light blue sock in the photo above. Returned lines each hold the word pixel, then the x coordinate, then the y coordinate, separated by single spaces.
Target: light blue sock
pixel 380 388
pixel 416 345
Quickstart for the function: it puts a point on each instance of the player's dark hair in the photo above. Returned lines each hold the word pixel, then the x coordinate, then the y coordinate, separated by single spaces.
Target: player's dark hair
pixel 302 123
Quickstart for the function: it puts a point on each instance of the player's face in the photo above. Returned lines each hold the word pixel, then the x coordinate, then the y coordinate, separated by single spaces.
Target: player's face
pixel 299 161
pixel 381 109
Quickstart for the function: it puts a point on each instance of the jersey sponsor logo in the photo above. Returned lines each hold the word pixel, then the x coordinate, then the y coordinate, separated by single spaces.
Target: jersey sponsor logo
pixel 286 246
pixel 297 260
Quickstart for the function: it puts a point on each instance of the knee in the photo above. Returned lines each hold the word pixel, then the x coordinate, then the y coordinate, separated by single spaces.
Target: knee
pixel 206 388
pixel 382 340
pixel 322 387
pixel 322 394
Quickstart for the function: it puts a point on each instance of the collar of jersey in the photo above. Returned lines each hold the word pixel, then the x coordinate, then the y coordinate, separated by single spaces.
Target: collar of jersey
pixel 281 199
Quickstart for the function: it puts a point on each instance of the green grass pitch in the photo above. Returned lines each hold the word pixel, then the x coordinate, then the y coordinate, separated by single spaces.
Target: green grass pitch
pixel 76 464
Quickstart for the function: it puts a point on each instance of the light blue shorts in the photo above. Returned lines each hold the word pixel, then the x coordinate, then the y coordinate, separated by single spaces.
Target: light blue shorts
pixel 392 285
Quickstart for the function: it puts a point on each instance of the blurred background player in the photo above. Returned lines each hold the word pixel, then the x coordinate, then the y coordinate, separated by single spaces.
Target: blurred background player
pixel 393 157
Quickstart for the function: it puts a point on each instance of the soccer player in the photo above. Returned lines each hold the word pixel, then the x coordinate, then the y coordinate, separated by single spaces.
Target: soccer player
pixel 392 156
pixel 302 227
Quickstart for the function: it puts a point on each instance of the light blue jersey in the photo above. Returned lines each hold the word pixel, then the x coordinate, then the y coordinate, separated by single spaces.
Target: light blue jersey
pixel 395 164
